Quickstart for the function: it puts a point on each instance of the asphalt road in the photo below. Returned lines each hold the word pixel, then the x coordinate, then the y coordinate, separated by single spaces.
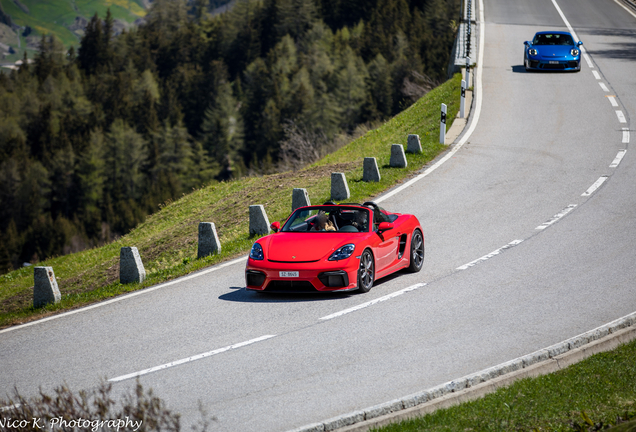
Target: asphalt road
pixel 542 141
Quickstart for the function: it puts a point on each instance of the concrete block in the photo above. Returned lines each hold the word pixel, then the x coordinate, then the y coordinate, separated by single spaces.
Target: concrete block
pixel 131 269
pixel 45 289
pixel 339 187
pixel 383 409
pixel 209 243
pixel 413 144
pixel 344 420
pixel 259 223
pixel 535 357
pixel 415 399
pixel 558 349
pixel 300 198
pixel 314 427
pixel 398 158
pixel 370 171
pixel 455 385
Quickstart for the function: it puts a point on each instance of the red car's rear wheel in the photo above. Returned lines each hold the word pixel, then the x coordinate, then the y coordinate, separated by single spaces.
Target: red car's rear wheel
pixel 366 271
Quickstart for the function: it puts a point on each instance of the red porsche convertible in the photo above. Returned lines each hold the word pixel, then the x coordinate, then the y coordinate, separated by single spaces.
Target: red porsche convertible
pixel 334 247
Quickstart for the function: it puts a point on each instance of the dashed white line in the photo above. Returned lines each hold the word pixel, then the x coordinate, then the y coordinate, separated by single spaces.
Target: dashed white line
pixel 618 158
pixel 612 100
pixel 621 116
pixel 372 302
pixel 603 86
pixel 588 60
pixel 490 255
pixel 190 359
pixel 625 135
pixel 557 217
pixel 596 75
pixel 595 186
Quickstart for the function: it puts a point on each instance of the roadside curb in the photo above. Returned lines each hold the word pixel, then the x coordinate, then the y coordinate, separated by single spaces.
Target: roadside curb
pixel 478 384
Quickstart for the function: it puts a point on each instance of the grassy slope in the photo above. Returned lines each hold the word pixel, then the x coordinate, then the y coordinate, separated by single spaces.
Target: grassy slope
pixel 597 390
pixel 167 241
pixel 54 16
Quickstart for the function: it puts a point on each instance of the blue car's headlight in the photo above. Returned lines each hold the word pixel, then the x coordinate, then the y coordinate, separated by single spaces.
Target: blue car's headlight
pixel 533 52
pixel 257 252
pixel 342 252
pixel 575 52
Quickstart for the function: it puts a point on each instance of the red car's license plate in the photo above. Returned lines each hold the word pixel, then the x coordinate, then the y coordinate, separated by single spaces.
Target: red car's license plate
pixel 288 274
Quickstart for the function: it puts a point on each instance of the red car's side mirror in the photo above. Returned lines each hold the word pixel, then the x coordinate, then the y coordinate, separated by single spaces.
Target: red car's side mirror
pixel 275 226
pixel 385 226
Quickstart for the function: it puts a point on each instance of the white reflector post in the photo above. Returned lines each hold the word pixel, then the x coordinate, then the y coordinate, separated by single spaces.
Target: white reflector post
pixel 442 126
pixel 462 103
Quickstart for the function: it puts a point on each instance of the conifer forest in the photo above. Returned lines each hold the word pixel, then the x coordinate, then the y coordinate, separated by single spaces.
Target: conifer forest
pixel 96 137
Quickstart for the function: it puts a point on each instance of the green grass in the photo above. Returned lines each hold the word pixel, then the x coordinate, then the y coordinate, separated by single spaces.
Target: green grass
pixel 589 395
pixel 167 240
pixel 54 16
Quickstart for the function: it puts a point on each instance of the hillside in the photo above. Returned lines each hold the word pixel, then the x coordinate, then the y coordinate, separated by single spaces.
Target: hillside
pixel 93 140
pixel 167 240
pixel 63 18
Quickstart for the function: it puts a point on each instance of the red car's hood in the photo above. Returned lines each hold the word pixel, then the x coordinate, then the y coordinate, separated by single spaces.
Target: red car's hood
pixel 293 247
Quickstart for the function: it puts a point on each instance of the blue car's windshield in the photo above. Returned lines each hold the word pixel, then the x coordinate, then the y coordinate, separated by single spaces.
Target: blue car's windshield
pixel 328 219
pixel 552 39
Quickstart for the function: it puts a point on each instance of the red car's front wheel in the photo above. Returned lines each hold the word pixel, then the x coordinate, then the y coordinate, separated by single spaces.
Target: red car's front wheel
pixel 366 271
pixel 417 251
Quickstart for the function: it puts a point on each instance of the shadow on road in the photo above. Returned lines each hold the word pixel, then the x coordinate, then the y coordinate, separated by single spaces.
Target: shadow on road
pixel 621 50
pixel 240 294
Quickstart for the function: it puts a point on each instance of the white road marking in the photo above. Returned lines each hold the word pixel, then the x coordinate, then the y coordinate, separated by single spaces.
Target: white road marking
pixel 618 158
pixel 490 255
pixel 556 217
pixel 596 75
pixel 621 116
pixel 603 86
pixel 190 359
pixel 625 7
pixel 372 302
pixel 567 24
pixel 597 184
pixel 612 100
pixel 132 294
pixel 625 135
pixel 588 60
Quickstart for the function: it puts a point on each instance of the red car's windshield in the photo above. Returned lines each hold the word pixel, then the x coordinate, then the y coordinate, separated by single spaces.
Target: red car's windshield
pixel 327 219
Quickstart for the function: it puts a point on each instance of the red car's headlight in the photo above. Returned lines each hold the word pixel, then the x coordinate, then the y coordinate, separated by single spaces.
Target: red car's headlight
pixel 343 252
pixel 257 252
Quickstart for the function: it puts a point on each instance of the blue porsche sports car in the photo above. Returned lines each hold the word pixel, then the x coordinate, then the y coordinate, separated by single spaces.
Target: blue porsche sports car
pixel 552 50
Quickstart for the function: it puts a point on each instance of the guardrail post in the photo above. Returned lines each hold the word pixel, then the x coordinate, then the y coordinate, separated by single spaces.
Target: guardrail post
pixel 300 198
pixel 259 223
pixel 467 71
pixel 45 289
pixel 370 171
pixel 442 125
pixel 339 187
pixel 413 144
pixel 209 243
pixel 131 268
pixel 398 158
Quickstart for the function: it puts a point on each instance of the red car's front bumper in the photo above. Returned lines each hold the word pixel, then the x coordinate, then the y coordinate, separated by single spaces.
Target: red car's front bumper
pixel 316 276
